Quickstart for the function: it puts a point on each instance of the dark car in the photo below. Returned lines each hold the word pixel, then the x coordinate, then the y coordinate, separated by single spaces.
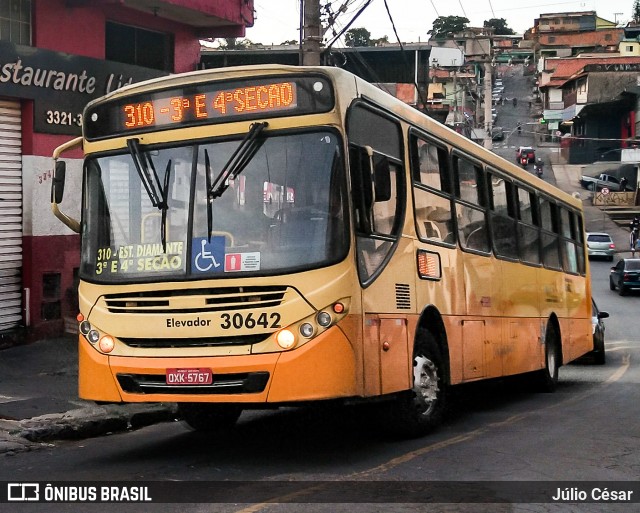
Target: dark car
pixel 497 133
pixel 597 315
pixel 625 275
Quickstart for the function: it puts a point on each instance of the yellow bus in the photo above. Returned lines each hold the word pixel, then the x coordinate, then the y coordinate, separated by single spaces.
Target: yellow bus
pixel 255 237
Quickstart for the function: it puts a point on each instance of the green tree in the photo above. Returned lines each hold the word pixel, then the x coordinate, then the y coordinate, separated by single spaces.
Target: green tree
pixel 444 26
pixel 233 43
pixel 380 41
pixel 636 11
pixel 357 37
pixel 290 42
pixel 500 26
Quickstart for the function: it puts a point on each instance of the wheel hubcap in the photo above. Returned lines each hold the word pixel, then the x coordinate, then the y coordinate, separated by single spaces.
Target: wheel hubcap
pixel 425 383
pixel 551 361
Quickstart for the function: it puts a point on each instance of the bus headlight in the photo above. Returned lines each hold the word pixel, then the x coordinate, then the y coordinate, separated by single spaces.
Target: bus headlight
pixel 306 330
pixel 285 339
pixel 85 328
pixel 323 319
pixel 106 344
pixel 93 336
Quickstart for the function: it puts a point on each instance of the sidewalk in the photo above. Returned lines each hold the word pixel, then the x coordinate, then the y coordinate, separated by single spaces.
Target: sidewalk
pixel 38 382
pixel 39 399
pixel 567 178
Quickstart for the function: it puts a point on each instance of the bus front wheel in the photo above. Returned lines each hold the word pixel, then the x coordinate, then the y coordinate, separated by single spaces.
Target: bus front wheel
pixel 209 417
pixel 419 410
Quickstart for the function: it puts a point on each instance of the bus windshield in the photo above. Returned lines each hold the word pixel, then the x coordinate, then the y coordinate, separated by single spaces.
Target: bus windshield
pixel 150 212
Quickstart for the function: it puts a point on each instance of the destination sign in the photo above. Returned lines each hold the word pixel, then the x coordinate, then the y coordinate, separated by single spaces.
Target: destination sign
pixel 207 102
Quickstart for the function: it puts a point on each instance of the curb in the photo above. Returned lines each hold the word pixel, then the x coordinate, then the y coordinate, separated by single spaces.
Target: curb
pixel 95 420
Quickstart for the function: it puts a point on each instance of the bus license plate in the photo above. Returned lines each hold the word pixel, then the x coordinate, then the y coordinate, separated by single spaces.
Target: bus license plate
pixel 189 377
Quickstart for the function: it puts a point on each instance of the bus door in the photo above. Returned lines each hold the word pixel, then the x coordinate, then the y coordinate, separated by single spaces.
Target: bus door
pixel 386 269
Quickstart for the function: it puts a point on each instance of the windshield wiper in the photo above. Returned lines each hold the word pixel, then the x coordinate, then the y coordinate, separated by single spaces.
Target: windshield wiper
pixel 207 181
pixel 245 151
pixel 146 172
pixel 165 206
pixel 158 194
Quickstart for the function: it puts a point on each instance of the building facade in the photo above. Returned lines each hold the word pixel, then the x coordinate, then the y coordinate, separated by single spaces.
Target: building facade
pixel 55 56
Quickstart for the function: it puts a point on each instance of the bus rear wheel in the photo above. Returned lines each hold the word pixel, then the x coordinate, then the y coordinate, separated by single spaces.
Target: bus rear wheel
pixel 209 417
pixel 419 410
pixel 546 380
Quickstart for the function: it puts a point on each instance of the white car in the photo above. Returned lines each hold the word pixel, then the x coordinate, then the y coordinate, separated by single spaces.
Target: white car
pixel 597 183
pixel 600 244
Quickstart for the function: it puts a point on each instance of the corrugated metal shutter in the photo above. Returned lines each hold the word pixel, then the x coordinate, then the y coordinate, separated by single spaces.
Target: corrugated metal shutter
pixel 10 215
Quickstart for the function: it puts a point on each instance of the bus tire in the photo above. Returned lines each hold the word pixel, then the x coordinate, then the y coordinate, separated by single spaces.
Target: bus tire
pixel 421 409
pixel 209 417
pixel 546 380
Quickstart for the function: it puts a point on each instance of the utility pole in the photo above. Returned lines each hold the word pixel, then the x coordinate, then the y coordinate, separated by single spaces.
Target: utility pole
pixel 488 120
pixel 312 33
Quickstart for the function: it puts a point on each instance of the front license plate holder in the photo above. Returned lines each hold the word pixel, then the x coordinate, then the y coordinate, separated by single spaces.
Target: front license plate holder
pixel 189 376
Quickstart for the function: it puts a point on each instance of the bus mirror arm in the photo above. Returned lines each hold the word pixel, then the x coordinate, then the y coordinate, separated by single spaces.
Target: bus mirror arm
pixel 57 184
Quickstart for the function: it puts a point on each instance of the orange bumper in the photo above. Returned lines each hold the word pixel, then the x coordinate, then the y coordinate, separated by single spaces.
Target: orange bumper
pixel 321 369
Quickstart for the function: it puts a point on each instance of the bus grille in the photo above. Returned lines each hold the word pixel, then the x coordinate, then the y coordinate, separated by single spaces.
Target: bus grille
pixel 155 343
pixel 194 300
pixel 241 383
pixel 403 296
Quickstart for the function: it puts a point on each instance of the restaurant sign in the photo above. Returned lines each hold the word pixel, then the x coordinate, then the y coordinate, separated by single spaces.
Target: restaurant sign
pixel 61 84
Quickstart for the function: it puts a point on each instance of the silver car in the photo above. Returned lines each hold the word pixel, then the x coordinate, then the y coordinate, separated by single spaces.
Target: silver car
pixel 600 245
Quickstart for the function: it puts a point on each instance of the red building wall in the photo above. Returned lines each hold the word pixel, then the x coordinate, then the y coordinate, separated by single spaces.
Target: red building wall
pixel 78 28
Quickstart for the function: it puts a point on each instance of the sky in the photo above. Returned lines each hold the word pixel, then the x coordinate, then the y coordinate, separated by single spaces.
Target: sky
pixel 278 20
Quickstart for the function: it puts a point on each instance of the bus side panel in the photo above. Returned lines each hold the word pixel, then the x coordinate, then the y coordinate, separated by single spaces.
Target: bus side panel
pixel 580 319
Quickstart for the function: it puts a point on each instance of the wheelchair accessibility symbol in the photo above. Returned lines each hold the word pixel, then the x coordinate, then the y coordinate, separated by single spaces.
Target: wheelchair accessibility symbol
pixel 208 256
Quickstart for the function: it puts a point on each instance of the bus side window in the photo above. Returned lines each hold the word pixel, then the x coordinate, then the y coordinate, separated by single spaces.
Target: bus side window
pixel 528 231
pixel 430 172
pixel 550 243
pixel 470 205
pixel 503 222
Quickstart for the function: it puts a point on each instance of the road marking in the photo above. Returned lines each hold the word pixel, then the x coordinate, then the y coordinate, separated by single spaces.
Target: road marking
pixel 476 433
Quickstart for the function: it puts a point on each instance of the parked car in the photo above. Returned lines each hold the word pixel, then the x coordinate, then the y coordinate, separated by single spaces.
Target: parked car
pixel 497 133
pixel 598 182
pixel 597 315
pixel 625 275
pixel 600 245
pixel 527 150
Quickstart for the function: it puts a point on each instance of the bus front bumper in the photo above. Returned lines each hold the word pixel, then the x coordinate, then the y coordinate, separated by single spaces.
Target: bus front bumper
pixel 323 368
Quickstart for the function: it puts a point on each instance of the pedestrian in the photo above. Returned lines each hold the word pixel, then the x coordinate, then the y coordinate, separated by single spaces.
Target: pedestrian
pixel 634 225
pixel 623 184
pixel 633 241
pixel 515 102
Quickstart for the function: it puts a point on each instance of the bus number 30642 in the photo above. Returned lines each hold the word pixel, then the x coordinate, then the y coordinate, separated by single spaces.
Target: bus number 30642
pixel 239 321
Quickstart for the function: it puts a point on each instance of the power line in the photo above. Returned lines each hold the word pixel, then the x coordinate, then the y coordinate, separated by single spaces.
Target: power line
pixel 434 8
pixel 491 7
pixel 460 2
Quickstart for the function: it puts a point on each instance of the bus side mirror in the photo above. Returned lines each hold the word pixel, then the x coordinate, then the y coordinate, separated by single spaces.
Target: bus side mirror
pixel 57 185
